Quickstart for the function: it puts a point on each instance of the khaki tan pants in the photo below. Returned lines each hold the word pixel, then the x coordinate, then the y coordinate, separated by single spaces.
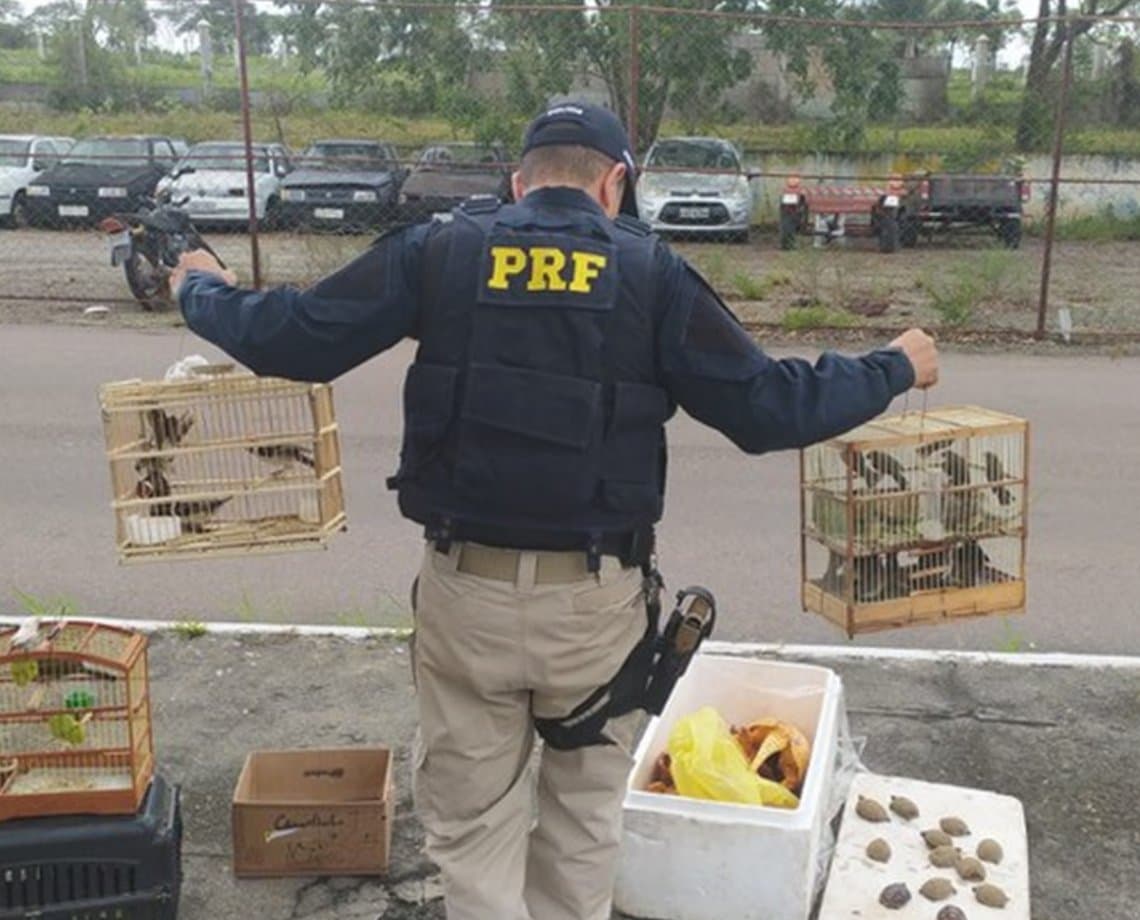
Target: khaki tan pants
pixel 531 636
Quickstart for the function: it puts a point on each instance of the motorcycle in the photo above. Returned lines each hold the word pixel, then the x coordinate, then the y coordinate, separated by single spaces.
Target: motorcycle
pixel 148 244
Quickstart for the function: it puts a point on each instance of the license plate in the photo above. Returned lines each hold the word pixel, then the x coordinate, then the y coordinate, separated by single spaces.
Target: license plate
pixel 204 205
pixel 73 210
pixel 694 213
pixel 328 213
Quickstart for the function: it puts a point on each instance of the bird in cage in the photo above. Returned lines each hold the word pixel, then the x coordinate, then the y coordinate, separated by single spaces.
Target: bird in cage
pixel 284 454
pixel 168 430
pixel 193 515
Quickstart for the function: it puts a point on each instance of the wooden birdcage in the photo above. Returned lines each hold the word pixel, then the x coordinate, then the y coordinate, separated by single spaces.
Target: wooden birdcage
pixel 916 518
pixel 75 721
pixel 223 463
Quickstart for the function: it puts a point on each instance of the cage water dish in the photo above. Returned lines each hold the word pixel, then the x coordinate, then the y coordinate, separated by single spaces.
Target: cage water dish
pixel 222 463
pixel 75 721
pixel 916 518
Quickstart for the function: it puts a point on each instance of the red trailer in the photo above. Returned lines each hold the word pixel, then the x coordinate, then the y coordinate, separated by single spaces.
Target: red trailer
pixel 834 211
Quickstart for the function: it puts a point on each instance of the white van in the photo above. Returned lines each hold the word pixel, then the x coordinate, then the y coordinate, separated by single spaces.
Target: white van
pixel 23 157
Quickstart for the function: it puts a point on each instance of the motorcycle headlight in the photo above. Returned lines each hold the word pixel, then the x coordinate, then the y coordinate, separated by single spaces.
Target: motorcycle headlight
pixel 293 194
pixel 113 191
pixel 364 196
pixel 38 191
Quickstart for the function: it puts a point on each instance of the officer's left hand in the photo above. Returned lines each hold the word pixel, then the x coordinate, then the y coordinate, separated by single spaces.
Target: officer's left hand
pixel 198 260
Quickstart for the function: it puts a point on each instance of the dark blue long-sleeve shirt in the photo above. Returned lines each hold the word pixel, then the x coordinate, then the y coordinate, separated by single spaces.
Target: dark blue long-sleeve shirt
pixel 709 364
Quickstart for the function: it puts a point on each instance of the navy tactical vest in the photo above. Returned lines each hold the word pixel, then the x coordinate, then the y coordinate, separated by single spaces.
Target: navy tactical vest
pixel 533 409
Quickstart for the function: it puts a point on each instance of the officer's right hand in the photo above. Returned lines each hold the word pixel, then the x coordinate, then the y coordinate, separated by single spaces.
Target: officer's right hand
pixel 919 348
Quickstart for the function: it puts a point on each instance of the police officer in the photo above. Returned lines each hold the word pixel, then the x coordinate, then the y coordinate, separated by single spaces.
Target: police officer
pixel 556 337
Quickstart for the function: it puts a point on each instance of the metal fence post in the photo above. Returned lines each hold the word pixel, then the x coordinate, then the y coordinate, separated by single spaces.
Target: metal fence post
pixel 254 248
pixel 634 73
pixel 1054 187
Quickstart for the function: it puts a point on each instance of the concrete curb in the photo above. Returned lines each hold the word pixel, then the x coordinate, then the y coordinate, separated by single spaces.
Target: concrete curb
pixel 745 649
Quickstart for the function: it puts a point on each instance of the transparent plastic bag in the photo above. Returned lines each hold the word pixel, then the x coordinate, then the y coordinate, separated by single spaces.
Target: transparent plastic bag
pixel 707 763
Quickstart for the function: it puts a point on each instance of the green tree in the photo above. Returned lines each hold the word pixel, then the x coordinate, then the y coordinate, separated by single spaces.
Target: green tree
pixel 1035 120
pixel 15 31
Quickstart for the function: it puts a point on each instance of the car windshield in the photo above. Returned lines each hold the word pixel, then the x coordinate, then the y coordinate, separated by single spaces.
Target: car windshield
pixel 106 151
pixel 457 155
pixel 13 153
pixel 225 157
pixel 344 157
pixel 693 155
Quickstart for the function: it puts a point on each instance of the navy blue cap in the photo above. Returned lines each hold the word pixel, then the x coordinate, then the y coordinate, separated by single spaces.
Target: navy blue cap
pixel 583 124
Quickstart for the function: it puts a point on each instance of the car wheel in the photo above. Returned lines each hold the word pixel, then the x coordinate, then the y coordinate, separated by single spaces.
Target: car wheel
pixel 273 214
pixel 1009 232
pixel 908 232
pixel 889 233
pixel 789 224
pixel 19 216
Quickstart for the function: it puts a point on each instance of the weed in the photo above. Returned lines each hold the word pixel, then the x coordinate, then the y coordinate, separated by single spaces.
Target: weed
pixel 955 301
pixel 750 288
pixel 190 629
pixel 1012 640
pixel 46 606
pixel 798 319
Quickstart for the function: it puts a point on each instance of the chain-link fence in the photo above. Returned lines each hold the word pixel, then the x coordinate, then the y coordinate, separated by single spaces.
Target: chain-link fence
pixel 830 166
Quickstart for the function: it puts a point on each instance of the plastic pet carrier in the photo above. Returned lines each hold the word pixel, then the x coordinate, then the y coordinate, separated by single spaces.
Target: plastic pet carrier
pixel 112 867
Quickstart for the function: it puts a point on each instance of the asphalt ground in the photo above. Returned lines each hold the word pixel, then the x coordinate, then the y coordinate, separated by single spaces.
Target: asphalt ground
pixel 1061 738
pixel 731 523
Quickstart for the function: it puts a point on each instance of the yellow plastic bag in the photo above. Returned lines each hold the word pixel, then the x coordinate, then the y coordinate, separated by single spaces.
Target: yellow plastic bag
pixel 707 763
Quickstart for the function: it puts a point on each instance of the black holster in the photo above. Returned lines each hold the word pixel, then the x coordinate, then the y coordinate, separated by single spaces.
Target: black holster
pixel 648 674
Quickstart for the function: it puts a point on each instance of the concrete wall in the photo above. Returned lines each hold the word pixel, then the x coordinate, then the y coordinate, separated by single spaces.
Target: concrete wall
pixel 1099 190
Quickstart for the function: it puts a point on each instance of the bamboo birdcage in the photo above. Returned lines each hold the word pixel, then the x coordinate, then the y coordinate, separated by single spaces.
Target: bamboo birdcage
pixel 223 463
pixel 916 518
pixel 75 721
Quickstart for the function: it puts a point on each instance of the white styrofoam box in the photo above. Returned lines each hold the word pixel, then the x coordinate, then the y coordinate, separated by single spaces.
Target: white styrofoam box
pixel 855 882
pixel 689 859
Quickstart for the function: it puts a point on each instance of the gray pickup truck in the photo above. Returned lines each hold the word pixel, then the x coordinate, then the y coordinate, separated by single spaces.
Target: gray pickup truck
pixel 946 202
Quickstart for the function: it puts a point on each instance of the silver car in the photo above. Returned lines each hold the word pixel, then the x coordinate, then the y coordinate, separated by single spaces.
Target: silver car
pixel 696 187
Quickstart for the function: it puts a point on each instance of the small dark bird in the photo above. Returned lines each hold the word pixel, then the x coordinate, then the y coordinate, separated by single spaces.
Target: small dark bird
pixel 969 565
pixel 934 447
pixel 168 430
pixel 193 514
pixel 285 453
pixel 995 472
pixel 862 468
pixel 888 465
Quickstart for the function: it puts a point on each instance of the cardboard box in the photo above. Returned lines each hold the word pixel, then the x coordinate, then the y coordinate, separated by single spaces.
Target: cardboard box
pixel 689 859
pixel 313 812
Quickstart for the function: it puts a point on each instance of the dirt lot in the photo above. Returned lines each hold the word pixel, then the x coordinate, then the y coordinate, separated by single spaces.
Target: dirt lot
pixel 955 284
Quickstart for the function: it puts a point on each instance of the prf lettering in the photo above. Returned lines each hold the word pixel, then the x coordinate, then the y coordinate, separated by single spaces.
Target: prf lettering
pixel 547 268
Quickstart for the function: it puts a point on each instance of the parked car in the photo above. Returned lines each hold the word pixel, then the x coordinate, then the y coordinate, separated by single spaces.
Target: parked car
pixel 447 174
pixel 211 180
pixel 344 183
pixel 98 177
pixel 23 159
pixel 695 186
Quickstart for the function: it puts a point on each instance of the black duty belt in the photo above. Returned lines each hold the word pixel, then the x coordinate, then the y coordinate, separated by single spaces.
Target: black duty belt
pixel 632 548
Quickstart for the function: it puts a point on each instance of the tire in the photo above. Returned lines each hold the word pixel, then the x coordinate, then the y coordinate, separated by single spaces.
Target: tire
pixel 789 225
pixel 273 215
pixel 149 286
pixel 889 233
pixel 1009 232
pixel 740 236
pixel 908 232
pixel 18 219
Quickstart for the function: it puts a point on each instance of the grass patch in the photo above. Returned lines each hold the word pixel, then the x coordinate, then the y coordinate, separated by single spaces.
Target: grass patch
pixel 817 316
pixel 190 629
pixel 1106 225
pixel 47 607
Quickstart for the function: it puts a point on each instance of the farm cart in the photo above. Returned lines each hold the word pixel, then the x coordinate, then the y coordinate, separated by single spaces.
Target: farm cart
pixel 949 202
pixel 829 212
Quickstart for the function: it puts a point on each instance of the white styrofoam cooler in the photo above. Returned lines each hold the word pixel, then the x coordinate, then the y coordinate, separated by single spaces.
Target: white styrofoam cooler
pixel 688 859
